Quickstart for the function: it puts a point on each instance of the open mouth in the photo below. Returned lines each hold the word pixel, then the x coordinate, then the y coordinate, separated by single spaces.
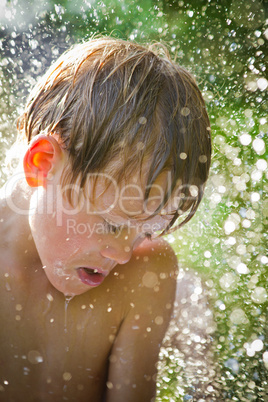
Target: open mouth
pixel 91 271
pixel 90 276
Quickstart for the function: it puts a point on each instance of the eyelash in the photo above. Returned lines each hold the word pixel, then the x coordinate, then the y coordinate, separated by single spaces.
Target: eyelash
pixel 148 236
pixel 112 228
pixel 116 229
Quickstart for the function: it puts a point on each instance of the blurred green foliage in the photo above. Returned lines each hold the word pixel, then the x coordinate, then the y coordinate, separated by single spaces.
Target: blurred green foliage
pixel 223 44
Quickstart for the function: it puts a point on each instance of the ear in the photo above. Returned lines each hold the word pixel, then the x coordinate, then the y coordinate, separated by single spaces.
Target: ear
pixel 40 158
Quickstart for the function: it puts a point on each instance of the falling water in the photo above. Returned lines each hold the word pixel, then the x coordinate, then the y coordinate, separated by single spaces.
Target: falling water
pixel 224 246
pixel 66 304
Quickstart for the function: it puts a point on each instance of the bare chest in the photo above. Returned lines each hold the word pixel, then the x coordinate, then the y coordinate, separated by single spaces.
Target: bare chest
pixel 54 349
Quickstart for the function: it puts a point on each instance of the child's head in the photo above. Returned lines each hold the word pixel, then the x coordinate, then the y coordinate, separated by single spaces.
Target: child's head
pixel 116 107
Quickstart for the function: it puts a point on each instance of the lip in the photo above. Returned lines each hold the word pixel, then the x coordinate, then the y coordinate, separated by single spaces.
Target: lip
pixel 91 279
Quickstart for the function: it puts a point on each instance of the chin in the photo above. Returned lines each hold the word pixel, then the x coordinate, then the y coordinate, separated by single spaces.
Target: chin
pixel 69 288
pixel 71 291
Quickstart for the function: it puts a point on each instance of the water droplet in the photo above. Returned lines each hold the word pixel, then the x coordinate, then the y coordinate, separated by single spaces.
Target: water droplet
pixel 193 191
pixel 149 279
pixel 7 286
pixel 262 83
pixel 185 111
pixel 242 268
pixel 35 357
pixel 183 155
pixel 257 345
pixel 264 259
pixel 238 316
pixel 67 301
pixel 50 297
pixel 265 358
pixel 203 159
pixel 109 385
pixel 258 146
pixel 142 120
pixel 159 320
pixel 67 376
pixel 245 139
pixel 228 282
pixel 207 254
pixel 229 227
pixel 111 338
pixel 259 295
pixel 261 164
pixel 241 249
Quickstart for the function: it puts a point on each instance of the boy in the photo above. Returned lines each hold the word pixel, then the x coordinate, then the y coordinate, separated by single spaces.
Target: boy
pixel 118 147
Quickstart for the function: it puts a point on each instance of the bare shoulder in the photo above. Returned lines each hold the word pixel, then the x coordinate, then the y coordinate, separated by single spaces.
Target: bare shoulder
pixel 158 254
pixel 148 296
pixel 158 245
pixel 151 274
pixel 152 269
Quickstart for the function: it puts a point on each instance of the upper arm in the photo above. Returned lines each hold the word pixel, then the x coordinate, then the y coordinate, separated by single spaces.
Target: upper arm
pixel 150 297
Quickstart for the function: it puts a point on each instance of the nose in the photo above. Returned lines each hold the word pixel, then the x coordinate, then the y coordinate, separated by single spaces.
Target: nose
pixel 120 253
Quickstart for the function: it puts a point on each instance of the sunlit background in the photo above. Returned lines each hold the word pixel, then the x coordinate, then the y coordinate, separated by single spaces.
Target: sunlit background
pixel 223 44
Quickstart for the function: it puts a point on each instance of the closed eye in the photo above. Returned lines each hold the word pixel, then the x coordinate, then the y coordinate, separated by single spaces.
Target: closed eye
pixel 112 228
pixel 148 236
pixel 116 229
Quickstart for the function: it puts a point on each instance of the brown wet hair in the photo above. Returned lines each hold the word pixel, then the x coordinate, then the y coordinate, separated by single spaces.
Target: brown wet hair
pixel 113 100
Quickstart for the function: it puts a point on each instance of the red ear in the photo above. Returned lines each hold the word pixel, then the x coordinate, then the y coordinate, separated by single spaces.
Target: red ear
pixel 40 157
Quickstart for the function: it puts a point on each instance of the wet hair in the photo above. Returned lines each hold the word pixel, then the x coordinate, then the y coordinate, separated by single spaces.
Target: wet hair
pixel 111 100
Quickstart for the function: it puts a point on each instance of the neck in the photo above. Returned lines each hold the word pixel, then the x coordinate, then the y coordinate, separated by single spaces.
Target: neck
pixel 18 248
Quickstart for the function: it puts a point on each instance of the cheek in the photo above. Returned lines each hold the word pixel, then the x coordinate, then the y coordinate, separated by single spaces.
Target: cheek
pixel 60 233
pixel 50 239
